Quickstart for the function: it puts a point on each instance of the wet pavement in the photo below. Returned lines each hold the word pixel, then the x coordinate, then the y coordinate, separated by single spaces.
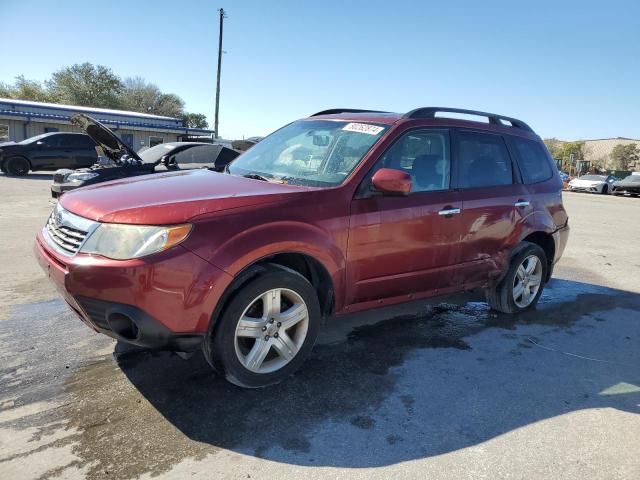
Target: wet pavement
pixel 451 376
pixel 441 389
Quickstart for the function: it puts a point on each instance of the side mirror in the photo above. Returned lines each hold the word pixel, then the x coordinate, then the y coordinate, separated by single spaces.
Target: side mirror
pixel 392 181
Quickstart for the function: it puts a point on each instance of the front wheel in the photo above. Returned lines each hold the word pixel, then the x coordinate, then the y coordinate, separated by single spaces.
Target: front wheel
pixel 521 287
pixel 267 330
pixel 605 190
pixel 17 166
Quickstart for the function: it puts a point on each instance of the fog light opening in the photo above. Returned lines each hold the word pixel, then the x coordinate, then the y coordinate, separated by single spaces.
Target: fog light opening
pixel 123 326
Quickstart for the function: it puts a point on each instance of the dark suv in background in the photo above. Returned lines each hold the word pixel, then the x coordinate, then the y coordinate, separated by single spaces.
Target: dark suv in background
pixel 336 213
pixel 49 151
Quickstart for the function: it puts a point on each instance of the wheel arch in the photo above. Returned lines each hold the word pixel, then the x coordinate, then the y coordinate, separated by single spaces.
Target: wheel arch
pixel 300 262
pixel 7 158
pixel 545 241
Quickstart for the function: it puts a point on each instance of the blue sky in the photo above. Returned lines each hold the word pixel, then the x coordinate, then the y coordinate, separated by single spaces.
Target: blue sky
pixel 569 69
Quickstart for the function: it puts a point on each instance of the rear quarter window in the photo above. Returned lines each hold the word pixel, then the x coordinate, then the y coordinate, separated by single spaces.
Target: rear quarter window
pixel 532 160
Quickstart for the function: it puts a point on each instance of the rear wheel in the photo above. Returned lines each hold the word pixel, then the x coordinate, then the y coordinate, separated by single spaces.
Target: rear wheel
pixel 521 287
pixel 17 166
pixel 267 330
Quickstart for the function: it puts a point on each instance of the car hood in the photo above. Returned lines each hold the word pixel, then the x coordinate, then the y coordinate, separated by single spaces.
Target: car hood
pixel 171 198
pixel 111 145
pixel 587 183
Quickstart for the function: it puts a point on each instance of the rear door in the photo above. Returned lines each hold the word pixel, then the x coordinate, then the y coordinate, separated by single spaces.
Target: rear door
pixel 494 205
pixel 83 152
pixel 404 245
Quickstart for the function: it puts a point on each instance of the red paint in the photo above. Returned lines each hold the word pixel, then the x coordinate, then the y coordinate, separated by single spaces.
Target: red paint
pixel 377 250
pixel 388 180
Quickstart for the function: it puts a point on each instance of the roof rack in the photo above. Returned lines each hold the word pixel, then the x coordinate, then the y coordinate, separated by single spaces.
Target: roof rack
pixel 334 111
pixel 430 112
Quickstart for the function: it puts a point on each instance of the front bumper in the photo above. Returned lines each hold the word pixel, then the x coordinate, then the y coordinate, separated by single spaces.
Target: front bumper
pixel 162 301
pixel 584 189
pixel 560 239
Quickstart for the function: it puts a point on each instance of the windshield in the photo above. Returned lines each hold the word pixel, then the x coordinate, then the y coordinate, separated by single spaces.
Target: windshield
pixel 152 154
pixel 316 153
pixel 34 139
pixel 593 177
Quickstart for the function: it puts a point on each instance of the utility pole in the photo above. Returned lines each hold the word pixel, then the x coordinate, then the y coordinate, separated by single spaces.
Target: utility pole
pixel 215 126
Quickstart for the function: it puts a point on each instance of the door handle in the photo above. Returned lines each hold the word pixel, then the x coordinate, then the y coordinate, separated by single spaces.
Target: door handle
pixel 447 212
pixel 522 203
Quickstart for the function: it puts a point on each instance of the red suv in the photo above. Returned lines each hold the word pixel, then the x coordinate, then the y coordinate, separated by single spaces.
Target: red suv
pixel 340 212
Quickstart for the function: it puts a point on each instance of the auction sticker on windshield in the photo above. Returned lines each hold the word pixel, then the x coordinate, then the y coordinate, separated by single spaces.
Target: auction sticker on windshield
pixel 363 128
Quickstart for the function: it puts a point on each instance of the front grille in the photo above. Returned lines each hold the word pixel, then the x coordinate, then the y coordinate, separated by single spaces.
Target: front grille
pixel 66 232
pixel 67 238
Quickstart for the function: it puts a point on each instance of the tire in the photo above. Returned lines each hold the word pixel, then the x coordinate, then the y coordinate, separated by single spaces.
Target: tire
pixel 17 166
pixel 605 190
pixel 503 296
pixel 254 353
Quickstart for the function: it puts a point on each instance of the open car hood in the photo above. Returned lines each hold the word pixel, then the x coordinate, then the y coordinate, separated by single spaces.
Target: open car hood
pixel 111 145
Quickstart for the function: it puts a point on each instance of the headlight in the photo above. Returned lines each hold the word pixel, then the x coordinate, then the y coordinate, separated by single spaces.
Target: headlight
pixel 80 176
pixel 122 242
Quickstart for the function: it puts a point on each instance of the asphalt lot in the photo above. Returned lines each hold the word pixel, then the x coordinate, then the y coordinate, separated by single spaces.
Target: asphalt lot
pixel 442 389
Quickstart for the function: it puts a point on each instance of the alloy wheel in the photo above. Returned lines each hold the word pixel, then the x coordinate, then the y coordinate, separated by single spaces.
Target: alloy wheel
pixel 271 330
pixel 527 281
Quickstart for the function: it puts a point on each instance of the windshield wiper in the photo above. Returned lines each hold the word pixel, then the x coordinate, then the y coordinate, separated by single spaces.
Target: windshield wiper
pixel 255 176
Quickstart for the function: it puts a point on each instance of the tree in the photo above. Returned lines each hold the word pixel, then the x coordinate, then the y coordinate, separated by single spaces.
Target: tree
pixel 568 149
pixel 86 84
pixel 24 89
pixel 194 120
pixel 97 86
pixel 624 156
pixel 553 145
pixel 170 105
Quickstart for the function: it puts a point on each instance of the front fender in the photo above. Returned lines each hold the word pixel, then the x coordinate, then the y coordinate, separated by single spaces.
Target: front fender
pixel 232 247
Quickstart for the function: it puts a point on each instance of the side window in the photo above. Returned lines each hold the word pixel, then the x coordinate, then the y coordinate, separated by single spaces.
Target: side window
pixel 423 154
pixel 52 141
pixel 195 157
pixel 84 141
pixel 483 160
pixel 533 161
pixel 66 141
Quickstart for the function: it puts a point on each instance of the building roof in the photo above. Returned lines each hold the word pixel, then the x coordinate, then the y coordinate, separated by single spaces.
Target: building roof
pixel 77 108
pixel 28 110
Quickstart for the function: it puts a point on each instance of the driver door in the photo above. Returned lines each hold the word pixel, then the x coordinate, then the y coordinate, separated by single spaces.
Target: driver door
pixel 403 247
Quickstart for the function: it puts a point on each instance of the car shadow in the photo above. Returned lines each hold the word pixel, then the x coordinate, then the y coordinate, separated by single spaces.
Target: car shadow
pixel 450 376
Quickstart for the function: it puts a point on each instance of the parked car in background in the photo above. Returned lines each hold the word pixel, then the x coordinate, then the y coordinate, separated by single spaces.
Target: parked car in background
pixel 630 185
pixel 120 161
pixel 592 183
pixel 49 151
pixel 344 211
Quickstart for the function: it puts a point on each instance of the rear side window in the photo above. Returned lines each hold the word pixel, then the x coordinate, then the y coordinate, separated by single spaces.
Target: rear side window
pixel 484 160
pixel 84 141
pixel 66 141
pixel 533 161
